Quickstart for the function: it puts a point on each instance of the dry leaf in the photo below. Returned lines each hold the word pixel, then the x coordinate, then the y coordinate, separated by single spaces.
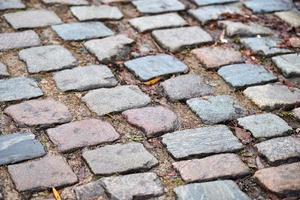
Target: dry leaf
pixel 56 194
pixel 152 81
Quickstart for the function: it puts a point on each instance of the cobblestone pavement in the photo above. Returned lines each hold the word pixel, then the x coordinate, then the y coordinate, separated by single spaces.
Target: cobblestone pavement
pixel 150 99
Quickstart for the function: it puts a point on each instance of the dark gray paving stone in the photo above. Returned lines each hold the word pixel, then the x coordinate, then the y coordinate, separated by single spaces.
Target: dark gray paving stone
pixel 147 23
pixel 19 147
pixel 267 46
pixel 214 12
pixel 3 70
pixel 91 191
pixel 119 158
pixel 47 58
pixel 281 180
pixel 149 67
pixel 208 56
pixel 211 168
pixel 158 6
pixel 216 109
pixel 280 149
pixel 84 13
pixel 85 78
pixel 244 29
pixel 42 113
pixel 265 125
pixel 82 30
pixel 49 171
pixel 186 87
pixel 153 120
pixel 11 4
pixel 32 18
pixel 212 2
pixel 216 190
pixel 67 2
pixel 18 40
pixel 110 48
pixel 127 187
pixel 19 88
pixel 273 96
pixel 201 142
pixel 82 133
pixel 176 39
pixel 259 6
pixel 116 99
pixel 291 17
pixel 244 75
pixel 289 64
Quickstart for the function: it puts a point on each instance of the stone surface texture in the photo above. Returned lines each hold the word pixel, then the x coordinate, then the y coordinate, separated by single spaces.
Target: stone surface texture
pixel 67 2
pixel 213 167
pixel 201 141
pixel 149 67
pixel 152 120
pixel 18 147
pixel 113 99
pixel 258 6
pixel 177 38
pixel 212 2
pixel 49 171
pixel 272 96
pixel 265 125
pixel 20 88
pixel 85 78
pixel 283 180
pixel 47 58
pixel 32 18
pixel 207 56
pixel 44 112
pixel 11 4
pixel 119 158
pixel 83 133
pixel 127 187
pixel 3 70
pixel 91 191
pixel 289 64
pixel 158 6
pixel 216 109
pixel 186 87
pixel 17 40
pixel 291 17
pixel 215 190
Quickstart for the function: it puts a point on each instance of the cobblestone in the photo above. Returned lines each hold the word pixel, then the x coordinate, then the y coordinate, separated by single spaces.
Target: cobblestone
pixel 265 125
pixel 119 158
pixel 176 39
pixel 142 185
pixel 85 78
pixel 288 64
pixel 67 2
pixel 44 112
pixel 158 6
pixel 82 134
pixel 280 149
pixel 20 40
pixel 216 109
pixel 201 142
pixel 186 87
pixel 284 180
pixel 113 99
pixel 47 58
pixel 212 2
pixel 11 4
pixel 147 23
pixel 208 56
pixel 84 13
pixel 258 6
pixel 149 67
pixel 152 120
pixel 49 171
pixel 19 88
pixel 213 167
pixel 91 191
pixel 32 19
pixel 291 17
pixel 210 190
pixel 82 30
pixel 272 96
pixel 19 147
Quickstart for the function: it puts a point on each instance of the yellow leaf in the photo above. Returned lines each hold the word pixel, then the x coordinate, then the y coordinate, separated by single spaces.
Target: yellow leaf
pixel 56 194
pixel 152 81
